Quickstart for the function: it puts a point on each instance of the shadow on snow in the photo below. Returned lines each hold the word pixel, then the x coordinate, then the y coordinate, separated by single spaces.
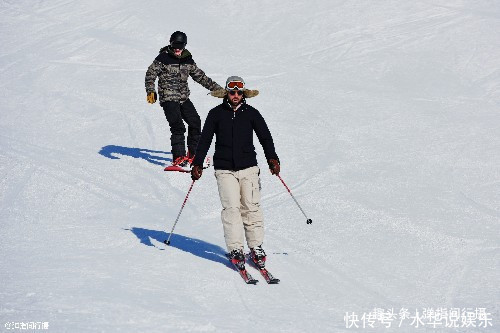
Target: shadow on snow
pixel 150 156
pixel 194 246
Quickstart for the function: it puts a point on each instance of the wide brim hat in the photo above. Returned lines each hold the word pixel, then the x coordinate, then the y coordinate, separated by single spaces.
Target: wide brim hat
pixel 248 93
pixel 221 93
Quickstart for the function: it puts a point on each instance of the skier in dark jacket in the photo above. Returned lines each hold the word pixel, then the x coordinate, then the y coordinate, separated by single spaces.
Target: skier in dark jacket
pixel 233 122
pixel 172 67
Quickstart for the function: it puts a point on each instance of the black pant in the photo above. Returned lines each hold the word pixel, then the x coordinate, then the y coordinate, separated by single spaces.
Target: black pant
pixel 175 113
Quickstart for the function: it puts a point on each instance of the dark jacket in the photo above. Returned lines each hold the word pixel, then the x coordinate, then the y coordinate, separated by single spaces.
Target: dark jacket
pixel 173 73
pixel 234 149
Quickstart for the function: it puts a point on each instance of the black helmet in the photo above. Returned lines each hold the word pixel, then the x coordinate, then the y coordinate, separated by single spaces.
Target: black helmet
pixel 178 40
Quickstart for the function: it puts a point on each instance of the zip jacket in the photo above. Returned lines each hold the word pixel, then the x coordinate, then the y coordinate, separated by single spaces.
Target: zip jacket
pixel 173 73
pixel 234 149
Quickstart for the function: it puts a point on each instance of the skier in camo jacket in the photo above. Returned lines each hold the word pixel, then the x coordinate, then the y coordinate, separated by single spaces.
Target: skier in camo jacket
pixel 172 67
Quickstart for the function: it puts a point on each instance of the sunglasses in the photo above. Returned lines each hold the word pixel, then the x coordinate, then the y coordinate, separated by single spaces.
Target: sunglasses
pixel 234 92
pixel 235 85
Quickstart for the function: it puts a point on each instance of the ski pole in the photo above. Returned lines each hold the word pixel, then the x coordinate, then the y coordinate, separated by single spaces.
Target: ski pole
pixel 308 221
pixel 178 215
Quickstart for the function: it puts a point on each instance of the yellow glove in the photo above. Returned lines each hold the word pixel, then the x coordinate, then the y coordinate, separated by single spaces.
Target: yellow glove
pixel 151 97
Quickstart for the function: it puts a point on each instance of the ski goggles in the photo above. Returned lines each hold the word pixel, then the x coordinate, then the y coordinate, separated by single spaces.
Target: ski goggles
pixel 234 92
pixel 235 85
pixel 177 45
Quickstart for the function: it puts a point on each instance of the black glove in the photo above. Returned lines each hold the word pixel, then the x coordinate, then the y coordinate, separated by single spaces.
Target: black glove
pixel 196 172
pixel 151 97
pixel 274 166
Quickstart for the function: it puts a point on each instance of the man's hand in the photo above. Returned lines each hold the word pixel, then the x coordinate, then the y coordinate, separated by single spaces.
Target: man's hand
pixel 151 97
pixel 274 166
pixel 196 172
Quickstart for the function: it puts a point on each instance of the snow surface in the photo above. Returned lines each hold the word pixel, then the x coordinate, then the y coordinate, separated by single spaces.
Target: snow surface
pixel 385 116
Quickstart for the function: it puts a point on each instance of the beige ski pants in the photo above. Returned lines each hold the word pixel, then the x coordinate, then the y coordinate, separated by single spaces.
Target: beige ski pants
pixel 239 193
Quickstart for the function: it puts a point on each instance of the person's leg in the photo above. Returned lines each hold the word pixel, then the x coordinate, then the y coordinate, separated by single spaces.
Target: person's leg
pixel 229 193
pixel 192 119
pixel 251 212
pixel 172 112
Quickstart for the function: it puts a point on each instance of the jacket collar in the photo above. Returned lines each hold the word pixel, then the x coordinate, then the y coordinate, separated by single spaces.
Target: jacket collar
pixel 185 53
pixel 228 106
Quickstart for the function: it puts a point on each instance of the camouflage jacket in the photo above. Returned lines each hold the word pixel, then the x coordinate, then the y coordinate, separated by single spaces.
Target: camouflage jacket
pixel 173 73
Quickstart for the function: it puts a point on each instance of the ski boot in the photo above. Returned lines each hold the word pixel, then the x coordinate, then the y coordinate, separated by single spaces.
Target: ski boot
pixel 190 158
pixel 181 161
pixel 258 256
pixel 237 258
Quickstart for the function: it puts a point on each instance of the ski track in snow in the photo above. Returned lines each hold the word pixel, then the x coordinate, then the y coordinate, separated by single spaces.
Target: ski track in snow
pixel 385 118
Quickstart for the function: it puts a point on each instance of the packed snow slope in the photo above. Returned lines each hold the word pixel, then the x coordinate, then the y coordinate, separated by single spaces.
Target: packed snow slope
pixel 385 116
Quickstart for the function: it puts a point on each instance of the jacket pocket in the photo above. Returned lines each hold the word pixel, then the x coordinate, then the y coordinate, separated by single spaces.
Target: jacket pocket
pixel 256 187
pixel 184 73
pixel 248 148
pixel 222 153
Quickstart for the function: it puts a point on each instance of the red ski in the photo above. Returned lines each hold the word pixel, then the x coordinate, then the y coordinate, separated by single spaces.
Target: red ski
pixel 240 267
pixel 177 168
pixel 268 276
pixel 186 169
pixel 260 266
